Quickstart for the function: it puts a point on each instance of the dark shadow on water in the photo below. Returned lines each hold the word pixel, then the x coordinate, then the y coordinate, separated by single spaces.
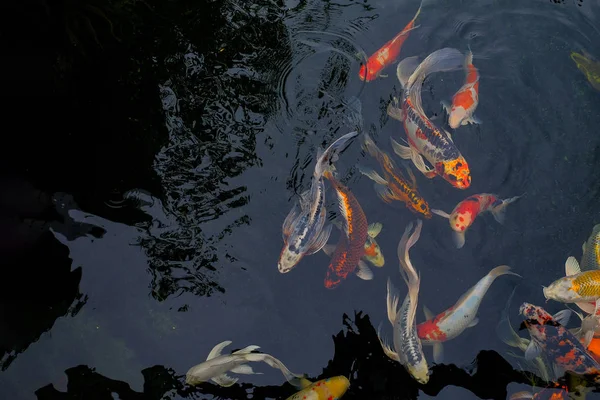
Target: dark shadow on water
pixel 358 355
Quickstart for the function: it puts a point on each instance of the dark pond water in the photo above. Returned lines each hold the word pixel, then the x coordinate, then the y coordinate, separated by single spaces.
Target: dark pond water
pixel 153 149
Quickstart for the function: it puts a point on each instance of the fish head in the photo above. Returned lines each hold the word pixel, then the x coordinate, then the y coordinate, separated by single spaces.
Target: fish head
pixel 419 371
pixel 368 72
pixel 337 385
pixel 422 207
pixel 563 290
pixel 290 256
pixel 461 220
pixel 457 115
pixel 534 314
pixel 456 172
pixel 373 253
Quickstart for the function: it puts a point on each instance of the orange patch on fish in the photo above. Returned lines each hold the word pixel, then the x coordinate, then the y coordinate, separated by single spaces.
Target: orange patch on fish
pixel 464 99
pixel 371 250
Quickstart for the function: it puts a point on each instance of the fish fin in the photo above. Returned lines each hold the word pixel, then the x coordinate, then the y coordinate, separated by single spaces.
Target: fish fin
pixel 459 239
pixel 524 395
pixel 499 211
pixel 371 174
pixel 382 75
pixel 587 338
pixel 440 213
pixel 406 242
pixel 558 370
pixel 438 352
pixel 404 152
pixel 394 111
pixel 330 155
pixel 406 68
pixel 328 249
pixel 363 271
pixel 374 229
pixel 288 223
pixel 473 323
pixel 247 350
pixel 386 348
pixel 224 380
pixel 597 308
pixel 502 270
pixel 587 307
pixel 572 266
pixel 320 240
pixel 419 163
pixel 532 351
pixel 412 176
pixel 472 120
pixel 449 135
pixel 583 247
pixel 384 193
pixel 244 369
pixel 216 351
pixel 393 299
pixel 446 106
pixel 428 314
pixel 294 379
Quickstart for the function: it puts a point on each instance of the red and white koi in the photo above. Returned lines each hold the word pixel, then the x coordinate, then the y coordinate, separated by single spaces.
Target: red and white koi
pixel 465 213
pixel 462 315
pixel 465 101
pixel 424 139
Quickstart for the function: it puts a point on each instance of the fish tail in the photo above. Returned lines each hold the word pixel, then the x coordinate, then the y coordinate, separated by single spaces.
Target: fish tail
pixel 370 146
pixel 331 154
pixel 500 210
pixel 406 242
pixel 502 270
pixel 294 379
pixel 469 57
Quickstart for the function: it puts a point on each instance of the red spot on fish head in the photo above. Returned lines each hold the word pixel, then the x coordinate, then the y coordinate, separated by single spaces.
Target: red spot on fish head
pixel 460 218
pixel 370 251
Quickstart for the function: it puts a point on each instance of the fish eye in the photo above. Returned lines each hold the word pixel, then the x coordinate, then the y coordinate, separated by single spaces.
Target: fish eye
pixel 423 207
pixel 293 247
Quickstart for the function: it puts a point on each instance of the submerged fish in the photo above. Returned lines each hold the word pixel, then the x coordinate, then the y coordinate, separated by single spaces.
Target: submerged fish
pixel 557 343
pixel 304 230
pixel 216 366
pixel 577 287
pixel 590 328
pixel 462 315
pixel 394 186
pixel 589 67
pixel 424 138
pixel 544 394
pixel 325 389
pixel 388 53
pixel 373 254
pixel 346 257
pixel 591 250
pixel 465 212
pixel 408 349
pixel 465 101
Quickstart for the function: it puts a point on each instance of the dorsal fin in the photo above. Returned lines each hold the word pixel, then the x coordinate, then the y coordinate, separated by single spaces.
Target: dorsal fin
pixel 216 351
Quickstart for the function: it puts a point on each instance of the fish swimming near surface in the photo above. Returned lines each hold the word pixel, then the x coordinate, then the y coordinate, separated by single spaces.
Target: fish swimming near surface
pixel 589 67
pixel 465 101
pixel 304 230
pixel 217 365
pixel 591 251
pixel 462 315
pixel 326 389
pixel 346 257
pixel 424 139
pixel 580 287
pixel 550 337
pixel 373 254
pixel 408 349
pixel 465 213
pixel 394 185
pixel 388 53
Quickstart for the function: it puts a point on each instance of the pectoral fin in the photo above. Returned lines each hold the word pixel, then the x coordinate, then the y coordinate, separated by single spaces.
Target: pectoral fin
pixel 375 229
pixel 428 314
pixel 572 266
pixel 472 120
pixel 321 240
pixel 384 193
pixel 404 152
pixel 371 174
pixel 473 323
pixel 441 213
pixel 438 352
pixel 224 380
pixel 363 271
pixel 532 351
pixel 394 111
pixel 459 239
pixel 386 349
pixel 244 369
pixel 563 316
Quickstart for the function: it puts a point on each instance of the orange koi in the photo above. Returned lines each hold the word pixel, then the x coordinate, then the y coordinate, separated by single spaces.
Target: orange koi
pixel 388 53
pixel 351 245
pixel 465 101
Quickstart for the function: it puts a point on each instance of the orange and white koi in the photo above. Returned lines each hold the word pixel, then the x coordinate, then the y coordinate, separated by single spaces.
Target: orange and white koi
pixel 388 53
pixel 544 394
pixel 408 349
pixel 577 287
pixel 465 213
pixel 325 389
pixel 304 230
pixel 462 315
pixel 346 257
pixel 424 139
pixel 550 338
pixel 465 101
pixel 394 186
pixel 373 254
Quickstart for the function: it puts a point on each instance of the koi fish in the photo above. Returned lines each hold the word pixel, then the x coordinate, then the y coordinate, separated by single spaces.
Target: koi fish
pixel 350 248
pixel 325 389
pixel 424 138
pixel 465 213
pixel 544 394
pixel 590 328
pixel 304 230
pixel 388 53
pixel 557 343
pixel 591 250
pixel 408 349
pixel 372 255
pixel 577 287
pixel 465 101
pixel 462 315
pixel 217 365
pixel 394 186
pixel 507 334
pixel 594 349
pixel 589 67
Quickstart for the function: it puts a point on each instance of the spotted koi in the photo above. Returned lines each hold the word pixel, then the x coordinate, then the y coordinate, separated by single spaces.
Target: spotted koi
pixel 581 287
pixel 326 389
pixel 465 101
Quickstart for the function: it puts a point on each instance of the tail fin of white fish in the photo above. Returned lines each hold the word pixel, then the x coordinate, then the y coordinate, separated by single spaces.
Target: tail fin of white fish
pixel 502 270
pixel 405 69
pixel 500 210
pixel 446 59
pixel 299 381
pixel 331 154
pixel 406 242
pixel 247 350
pixel 216 351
